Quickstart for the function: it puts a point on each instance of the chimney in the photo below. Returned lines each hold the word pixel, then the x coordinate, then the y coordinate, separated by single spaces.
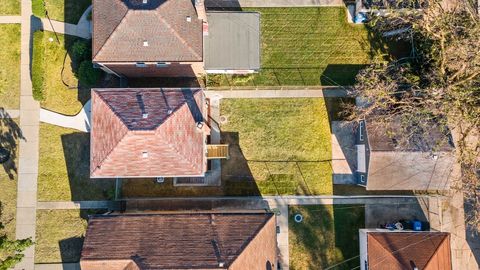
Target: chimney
pixel 200 8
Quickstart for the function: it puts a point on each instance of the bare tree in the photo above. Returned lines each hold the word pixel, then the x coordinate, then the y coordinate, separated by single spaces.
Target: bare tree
pixel 437 85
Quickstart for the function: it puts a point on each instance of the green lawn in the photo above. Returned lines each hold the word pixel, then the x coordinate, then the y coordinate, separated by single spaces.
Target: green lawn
pixel 306 46
pixel 60 234
pixel 8 178
pixel 68 11
pixel 327 237
pixel 277 146
pixel 10 7
pixel 52 68
pixel 10 67
pixel 63 172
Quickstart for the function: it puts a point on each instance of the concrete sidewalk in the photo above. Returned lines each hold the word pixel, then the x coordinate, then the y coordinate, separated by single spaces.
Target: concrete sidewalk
pixel 10 19
pixel 320 93
pixel 28 153
pixel 272 3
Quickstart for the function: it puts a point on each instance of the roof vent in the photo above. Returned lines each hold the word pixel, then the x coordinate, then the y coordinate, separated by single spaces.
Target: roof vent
pixel 145 154
pixel 145 115
pixel 145 1
pixel 199 125
pixel 189 19
pixel 221 264
pixel 170 111
pixel 145 43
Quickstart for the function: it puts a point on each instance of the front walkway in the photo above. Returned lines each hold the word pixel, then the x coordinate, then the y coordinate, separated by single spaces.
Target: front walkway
pixel 81 29
pixel 81 121
pixel 28 153
pixel 10 19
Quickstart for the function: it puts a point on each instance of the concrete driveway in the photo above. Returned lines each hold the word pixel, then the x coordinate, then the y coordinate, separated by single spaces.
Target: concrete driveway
pixel 343 152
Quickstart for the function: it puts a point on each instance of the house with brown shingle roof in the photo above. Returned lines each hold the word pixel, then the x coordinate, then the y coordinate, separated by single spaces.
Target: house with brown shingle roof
pixel 402 250
pixel 165 38
pixel 151 132
pixel 181 241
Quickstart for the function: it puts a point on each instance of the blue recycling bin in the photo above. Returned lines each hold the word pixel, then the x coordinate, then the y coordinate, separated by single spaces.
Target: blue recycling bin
pixel 417 225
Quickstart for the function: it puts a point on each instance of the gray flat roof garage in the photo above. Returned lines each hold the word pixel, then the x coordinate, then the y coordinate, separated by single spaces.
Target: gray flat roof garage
pixel 233 41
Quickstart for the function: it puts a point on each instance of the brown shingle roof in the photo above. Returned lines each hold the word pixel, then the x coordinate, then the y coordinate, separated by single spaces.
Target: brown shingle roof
pixel 120 28
pixel 147 132
pixel 177 241
pixel 404 250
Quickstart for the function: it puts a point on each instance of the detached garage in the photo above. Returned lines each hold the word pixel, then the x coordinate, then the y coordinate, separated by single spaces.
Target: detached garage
pixel 232 45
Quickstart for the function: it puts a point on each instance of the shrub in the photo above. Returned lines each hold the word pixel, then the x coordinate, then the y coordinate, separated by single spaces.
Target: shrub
pixel 38 65
pixel 80 50
pixel 87 75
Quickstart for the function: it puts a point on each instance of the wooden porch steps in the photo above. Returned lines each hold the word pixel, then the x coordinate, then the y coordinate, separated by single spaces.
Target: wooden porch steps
pixel 217 151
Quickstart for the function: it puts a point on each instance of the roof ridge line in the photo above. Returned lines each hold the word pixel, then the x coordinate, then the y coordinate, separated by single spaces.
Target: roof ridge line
pixel 113 111
pixel 111 34
pixel 243 247
pixel 386 250
pixel 123 137
pixel 178 36
pixel 425 238
pixel 436 251
pixel 170 144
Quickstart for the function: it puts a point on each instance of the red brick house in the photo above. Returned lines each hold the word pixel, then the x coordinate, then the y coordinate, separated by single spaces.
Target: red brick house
pixel 148 38
pixel 171 38
pixel 234 241
pixel 150 132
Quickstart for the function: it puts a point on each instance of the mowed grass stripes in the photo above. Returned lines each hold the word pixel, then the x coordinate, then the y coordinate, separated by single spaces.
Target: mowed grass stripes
pixel 306 46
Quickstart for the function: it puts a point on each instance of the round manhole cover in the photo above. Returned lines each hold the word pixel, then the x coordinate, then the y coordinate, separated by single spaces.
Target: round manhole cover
pixel 298 218
pixel 223 119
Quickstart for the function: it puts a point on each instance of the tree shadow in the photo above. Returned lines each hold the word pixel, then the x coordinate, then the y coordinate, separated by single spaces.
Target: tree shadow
pixel 340 74
pixel 10 134
pixel 74 9
pixel 76 149
pixel 472 232
pixel 327 236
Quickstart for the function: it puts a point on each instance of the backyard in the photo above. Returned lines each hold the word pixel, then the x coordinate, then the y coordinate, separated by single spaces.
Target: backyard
pixel 327 238
pixel 332 50
pixel 10 67
pixel 60 234
pixel 54 79
pixel 10 7
pixel 63 173
pixel 277 147
pixel 68 11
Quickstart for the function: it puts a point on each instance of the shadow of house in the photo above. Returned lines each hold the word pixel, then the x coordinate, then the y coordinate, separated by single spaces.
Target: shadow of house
pixel 237 176
pixel 76 150
pixel 71 249
pixel 10 134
